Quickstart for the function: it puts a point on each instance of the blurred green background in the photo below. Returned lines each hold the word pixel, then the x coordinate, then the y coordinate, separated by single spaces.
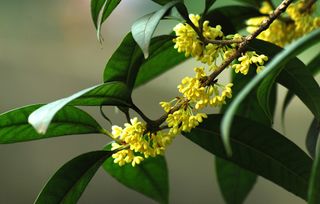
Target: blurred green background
pixel 48 50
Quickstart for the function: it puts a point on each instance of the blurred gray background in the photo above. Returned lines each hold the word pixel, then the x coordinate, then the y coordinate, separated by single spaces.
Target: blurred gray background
pixel 48 50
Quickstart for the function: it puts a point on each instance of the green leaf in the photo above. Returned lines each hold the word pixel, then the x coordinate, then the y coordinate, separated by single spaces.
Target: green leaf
pixel 161 48
pixel 69 182
pixel 314 184
pixel 259 149
pixel 235 182
pixel 128 65
pixel 264 92
pixel 113 93
pixel 14 126
pixel 256 3
pixel 96 7
pixel 104 6
pixel 231 18
pixel 314 67
pixel 143 29
pixel 312 137
pixel 208 4
pixel 277 63
pixel 149 178
pixel 125 62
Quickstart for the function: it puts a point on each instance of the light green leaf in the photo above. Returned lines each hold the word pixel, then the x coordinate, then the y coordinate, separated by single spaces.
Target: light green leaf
pixel 235 182
pixel 149 178
pixel 68 183
pixel 113 93
pixel 143 29
pixel 14 126
pixel 277 63
pixel 259 149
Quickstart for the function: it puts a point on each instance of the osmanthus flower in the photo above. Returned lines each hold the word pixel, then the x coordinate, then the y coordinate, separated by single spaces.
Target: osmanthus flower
pixel 284 30
pixel 135 143
pixel 248 58
pixel 201 96
pixel 189 42
pixel 183 120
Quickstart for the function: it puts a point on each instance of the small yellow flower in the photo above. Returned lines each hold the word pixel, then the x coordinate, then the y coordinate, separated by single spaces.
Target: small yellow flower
pixel 137 144
pixel 250 57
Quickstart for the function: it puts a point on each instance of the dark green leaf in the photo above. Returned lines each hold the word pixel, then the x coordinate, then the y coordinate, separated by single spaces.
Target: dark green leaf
pixel 14 126
pixel 108 8
pixel 125 62
pixel 314 67
pixel 161 48
pixel 314 184
pixel 231 18
pixel 312 137
pixel 104 6
pixel 69 182
pixel 149 178
pixel 96 7
pixel 235 182
pixel 277 63
pixel 264 92
pixel 143 29
pixel 113 93
pixel 208 4
pixel 259 149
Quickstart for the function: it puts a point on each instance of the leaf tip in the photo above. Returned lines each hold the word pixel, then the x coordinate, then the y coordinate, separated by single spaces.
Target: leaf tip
pixel 40 127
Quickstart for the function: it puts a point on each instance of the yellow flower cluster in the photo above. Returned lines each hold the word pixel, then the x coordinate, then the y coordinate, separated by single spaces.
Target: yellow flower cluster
pixel 136 144
pixel 195 92
pixel 250 57
pixel 183 120
pixel 188 41
pixel 284 30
